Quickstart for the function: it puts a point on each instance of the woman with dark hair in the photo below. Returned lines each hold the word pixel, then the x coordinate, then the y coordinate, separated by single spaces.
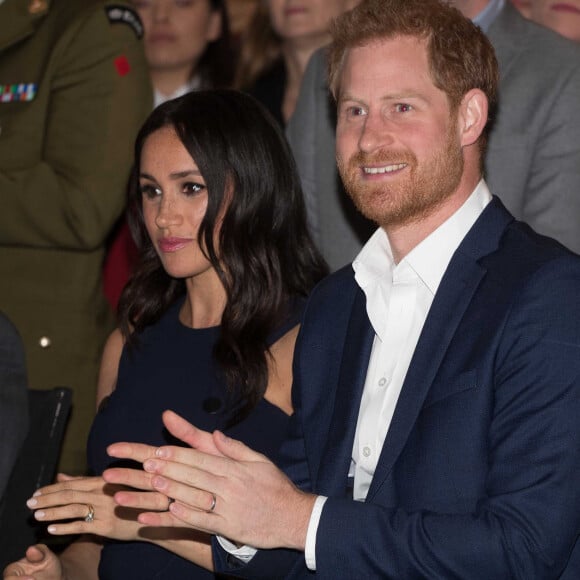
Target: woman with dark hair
pixel 208 322
pixel 188 47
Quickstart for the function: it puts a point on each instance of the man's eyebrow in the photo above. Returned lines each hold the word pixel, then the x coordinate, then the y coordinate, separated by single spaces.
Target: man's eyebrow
pixel 398 96
pixel 346 97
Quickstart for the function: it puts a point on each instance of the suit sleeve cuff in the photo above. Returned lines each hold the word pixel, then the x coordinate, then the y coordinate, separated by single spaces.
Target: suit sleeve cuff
pixel 243 553
pixel 310 549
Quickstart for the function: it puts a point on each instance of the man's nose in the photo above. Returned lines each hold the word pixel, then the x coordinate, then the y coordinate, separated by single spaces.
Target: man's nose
pixel 376 133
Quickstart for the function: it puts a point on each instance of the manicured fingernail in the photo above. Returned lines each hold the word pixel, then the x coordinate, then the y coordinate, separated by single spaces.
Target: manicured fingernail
pixel 31 502
pixel 39 515
pixel 51 529
pixel 161 452
pixel 36 493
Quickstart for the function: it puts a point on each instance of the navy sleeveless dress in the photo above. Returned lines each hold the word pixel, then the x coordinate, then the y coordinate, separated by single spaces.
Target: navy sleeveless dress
pixel 172 367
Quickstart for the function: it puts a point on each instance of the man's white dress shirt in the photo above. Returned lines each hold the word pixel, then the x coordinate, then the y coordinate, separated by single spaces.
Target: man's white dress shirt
pixel 398 298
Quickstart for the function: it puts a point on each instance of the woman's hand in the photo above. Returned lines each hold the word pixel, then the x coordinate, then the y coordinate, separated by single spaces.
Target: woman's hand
pixel 39 563
pixel 69 504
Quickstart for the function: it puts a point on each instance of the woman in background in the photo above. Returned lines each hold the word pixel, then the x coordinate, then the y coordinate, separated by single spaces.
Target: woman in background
pixel 275 50
pixel 187 45
pixel 208 324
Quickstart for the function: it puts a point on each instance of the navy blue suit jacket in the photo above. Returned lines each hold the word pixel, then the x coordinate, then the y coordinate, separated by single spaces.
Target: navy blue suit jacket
pixel 479 476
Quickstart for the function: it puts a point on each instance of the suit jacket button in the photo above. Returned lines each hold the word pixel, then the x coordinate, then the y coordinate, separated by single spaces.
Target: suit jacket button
pixel 45 342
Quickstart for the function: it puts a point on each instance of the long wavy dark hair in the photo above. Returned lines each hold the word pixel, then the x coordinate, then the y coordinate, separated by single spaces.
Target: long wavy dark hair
pixel 265 255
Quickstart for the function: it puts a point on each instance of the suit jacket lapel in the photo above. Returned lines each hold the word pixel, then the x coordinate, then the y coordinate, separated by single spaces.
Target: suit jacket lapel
pixel 335 461
pixel 454 295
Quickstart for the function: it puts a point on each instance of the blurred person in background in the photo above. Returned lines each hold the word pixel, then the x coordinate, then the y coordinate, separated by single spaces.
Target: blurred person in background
pixel 562 16
pixel 187 47
pixel 74 90
pixel 533 156
pixel 277 46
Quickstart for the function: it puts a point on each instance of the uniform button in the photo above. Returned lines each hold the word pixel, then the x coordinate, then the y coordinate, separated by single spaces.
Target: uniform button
pixel 384 381
pixel 45 342
pixel 366 451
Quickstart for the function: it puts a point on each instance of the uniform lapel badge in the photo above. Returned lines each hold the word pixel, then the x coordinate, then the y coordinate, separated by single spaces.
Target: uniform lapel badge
pixel 37 6
pixel 21 92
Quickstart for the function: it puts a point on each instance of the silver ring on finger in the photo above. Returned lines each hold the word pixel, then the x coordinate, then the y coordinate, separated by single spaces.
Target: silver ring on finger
pixel 213 502
pixel 90 517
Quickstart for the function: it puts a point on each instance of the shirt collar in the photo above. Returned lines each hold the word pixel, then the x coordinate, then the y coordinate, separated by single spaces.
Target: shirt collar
pixel 486 17
pixel 193 85
pixel 430 258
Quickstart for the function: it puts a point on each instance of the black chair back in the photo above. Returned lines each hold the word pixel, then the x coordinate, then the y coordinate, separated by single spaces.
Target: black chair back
pixel 34 468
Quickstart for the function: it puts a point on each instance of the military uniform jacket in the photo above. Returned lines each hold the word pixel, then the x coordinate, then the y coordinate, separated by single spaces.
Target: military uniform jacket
pixel 74 89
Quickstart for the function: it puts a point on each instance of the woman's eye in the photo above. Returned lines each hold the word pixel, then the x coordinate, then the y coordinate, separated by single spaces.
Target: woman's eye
pixel 150 192
pixel 191 188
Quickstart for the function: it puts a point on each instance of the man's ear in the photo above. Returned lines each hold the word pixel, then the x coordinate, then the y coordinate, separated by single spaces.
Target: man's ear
pixel 472 116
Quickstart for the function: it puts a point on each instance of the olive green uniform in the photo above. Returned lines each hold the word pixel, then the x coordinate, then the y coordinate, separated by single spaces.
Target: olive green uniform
pixel 74 89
